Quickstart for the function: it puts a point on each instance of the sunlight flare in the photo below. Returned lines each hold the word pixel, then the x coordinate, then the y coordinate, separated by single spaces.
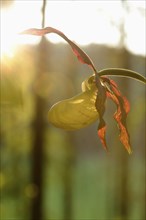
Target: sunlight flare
pixel 97 22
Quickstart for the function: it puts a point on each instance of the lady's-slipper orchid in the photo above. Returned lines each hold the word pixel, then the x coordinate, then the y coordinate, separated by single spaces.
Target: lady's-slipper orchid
pixel 89 106
pixel 78 111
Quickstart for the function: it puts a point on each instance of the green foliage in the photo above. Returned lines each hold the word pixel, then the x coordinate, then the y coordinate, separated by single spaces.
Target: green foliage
pixel 95 177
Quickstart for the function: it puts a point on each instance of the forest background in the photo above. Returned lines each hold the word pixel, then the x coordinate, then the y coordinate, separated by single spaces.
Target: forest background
pixel 47 173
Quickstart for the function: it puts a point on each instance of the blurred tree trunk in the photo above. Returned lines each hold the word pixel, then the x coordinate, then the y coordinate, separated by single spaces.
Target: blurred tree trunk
pixel 70 148
pixel 38 139
pixel 39 128
pixel 123 157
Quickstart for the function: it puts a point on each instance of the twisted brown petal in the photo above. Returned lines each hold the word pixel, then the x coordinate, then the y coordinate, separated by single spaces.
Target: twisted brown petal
pixel 120 115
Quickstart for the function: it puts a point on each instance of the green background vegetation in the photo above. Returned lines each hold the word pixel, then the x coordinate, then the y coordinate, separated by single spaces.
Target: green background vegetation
pixel 79 179
pixel 51 174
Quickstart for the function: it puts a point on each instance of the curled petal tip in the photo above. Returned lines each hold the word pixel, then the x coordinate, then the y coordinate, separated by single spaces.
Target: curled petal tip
pixel 129 151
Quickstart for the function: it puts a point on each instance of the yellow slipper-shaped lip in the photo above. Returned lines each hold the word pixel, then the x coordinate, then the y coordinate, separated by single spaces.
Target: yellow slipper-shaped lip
pixel 78 111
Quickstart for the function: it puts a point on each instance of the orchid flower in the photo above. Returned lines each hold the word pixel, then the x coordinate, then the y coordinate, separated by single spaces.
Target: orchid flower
pixel 89 106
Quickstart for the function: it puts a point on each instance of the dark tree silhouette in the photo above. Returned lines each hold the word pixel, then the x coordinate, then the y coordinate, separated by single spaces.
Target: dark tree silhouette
pixel 39 129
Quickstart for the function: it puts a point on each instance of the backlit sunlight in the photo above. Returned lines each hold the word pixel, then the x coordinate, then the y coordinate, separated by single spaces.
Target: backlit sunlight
pixel 85 22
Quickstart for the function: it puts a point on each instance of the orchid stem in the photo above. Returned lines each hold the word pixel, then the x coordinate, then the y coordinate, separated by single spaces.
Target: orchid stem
pixel 122 73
